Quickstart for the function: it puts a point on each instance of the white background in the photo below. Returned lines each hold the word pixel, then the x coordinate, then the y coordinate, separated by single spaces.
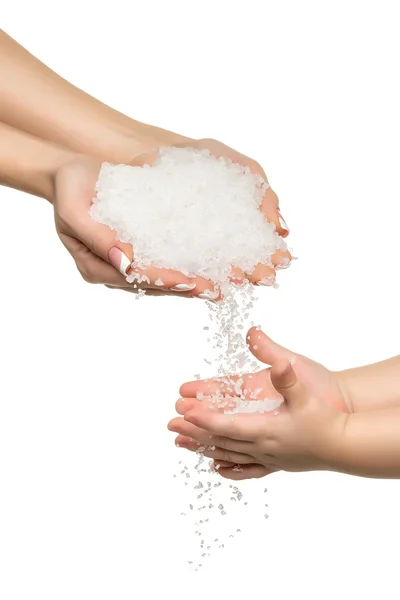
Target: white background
pixel 89 377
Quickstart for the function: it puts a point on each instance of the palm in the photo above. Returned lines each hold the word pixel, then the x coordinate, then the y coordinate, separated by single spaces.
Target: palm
pixel 320 382
pixel 89 242
pixel 318 379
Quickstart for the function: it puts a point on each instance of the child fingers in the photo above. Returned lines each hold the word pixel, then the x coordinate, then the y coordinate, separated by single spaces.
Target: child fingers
pixel 237 427
pixel 182 427
pixel 240 472
pixel 217 454
pixel 183 405
pixel 285 381
pixel 208 387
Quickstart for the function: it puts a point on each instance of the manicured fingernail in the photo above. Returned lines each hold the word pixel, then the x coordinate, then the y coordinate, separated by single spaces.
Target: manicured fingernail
pixel 284 264
pixel 206 297
pixel 119 260
pixel 267 281
pixel 282 222
pixel 183 287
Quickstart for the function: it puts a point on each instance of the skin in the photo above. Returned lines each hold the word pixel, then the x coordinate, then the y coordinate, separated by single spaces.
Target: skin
pixel 35 104
pixel 322 423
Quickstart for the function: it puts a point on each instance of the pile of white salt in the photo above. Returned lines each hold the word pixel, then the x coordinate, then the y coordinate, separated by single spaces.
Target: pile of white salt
pixel 200 215
pixel 189 211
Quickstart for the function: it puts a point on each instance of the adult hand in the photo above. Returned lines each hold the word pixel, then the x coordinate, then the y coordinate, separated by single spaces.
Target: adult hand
pixel 102 259
pixel 99 257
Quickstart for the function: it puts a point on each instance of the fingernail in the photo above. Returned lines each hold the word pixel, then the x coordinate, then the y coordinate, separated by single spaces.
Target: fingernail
pixel 183 287
pixel 282 222
pixel 210 295
pixel 284 264
pixel 267 281
pixel 119 260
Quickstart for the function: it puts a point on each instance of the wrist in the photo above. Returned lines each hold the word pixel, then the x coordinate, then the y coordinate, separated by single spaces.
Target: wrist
pixel 374 386
pixel 369 445
pixel 29 164
pixel 52 162
pixel 334 451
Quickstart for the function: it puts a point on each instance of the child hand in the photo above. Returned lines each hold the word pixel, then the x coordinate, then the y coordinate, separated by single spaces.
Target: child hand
pixel 303 435
pixel 322 385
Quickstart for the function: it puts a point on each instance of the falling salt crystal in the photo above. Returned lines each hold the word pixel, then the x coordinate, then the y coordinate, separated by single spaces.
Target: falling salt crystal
pixel 183 193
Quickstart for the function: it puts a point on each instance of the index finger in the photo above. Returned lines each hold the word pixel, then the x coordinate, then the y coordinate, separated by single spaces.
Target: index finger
pixel 237 427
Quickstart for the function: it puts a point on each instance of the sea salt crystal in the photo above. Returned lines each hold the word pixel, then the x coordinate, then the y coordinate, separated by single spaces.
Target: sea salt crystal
pixel 188 199
pixel 210 207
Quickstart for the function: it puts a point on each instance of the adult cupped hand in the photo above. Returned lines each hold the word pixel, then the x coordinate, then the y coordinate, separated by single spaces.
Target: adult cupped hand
pixel 102 259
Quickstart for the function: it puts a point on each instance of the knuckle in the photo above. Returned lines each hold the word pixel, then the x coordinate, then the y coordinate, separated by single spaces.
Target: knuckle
pixel 228 456
pixel 207 141
pixel 221 442
pixel 231 429
pixel 87 274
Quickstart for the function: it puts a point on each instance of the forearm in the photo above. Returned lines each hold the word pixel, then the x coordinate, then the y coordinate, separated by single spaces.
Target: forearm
pixel 370 445
pixel 34 99
pixel 375 386
pixel 29 164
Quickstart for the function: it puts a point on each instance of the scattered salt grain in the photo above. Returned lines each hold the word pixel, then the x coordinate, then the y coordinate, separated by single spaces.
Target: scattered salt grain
pixel 210 207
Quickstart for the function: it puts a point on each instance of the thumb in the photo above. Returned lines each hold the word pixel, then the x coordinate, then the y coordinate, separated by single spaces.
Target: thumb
pixel 285 381
pixel 102 241
pixel 266 350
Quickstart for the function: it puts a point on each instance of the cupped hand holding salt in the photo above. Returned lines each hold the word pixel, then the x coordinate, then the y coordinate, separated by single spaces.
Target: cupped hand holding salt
pixel 192 213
